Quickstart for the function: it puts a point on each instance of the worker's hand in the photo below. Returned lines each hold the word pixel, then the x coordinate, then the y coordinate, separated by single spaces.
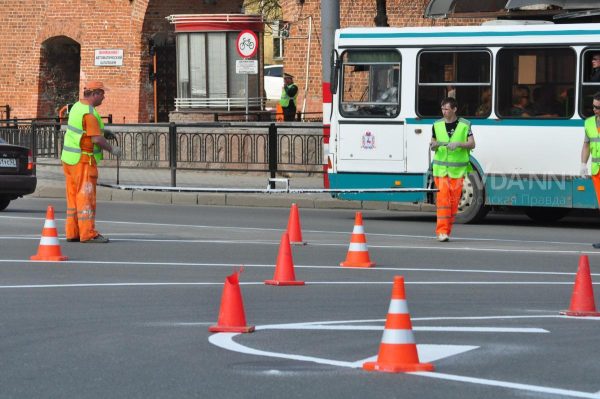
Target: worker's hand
pixel 583 170
pixel 116 151
pixel 109 136
pixel 434 145
pixel 453 146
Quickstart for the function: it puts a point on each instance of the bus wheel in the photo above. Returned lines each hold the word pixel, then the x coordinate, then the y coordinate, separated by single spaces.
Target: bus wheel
pixel 471 207
pixel 546 214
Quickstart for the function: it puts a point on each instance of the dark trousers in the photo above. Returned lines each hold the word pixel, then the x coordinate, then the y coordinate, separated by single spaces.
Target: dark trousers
pixel 289 113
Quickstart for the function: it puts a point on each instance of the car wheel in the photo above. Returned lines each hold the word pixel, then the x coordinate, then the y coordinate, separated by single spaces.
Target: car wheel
pixel 4 203
pixel 471 207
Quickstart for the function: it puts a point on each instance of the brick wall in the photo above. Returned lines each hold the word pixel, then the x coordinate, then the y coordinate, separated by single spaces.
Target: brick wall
pixel 352 13
pixel 30 86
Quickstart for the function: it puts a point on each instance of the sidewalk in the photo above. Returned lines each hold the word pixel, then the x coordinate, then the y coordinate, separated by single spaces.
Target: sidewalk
pixel 51 185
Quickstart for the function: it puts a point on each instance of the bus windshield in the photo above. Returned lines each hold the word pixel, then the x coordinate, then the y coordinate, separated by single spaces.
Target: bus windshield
pixel 370 83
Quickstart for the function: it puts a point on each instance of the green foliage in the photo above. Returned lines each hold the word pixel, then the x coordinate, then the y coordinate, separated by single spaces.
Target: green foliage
pixel 269 9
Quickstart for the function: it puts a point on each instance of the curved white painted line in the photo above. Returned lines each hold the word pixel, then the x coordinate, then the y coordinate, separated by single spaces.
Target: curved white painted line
pixel 225 341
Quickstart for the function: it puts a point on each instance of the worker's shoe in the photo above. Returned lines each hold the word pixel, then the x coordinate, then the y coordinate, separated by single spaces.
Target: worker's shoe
pixel 99 239
pixel 596 245
pixel 443 237
pixel 75 239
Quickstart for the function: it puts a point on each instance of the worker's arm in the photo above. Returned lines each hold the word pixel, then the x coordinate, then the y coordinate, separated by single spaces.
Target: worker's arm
pixel 92 128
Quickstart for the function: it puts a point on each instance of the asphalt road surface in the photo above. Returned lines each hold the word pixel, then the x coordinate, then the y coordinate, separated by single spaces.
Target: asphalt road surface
pixel 130 319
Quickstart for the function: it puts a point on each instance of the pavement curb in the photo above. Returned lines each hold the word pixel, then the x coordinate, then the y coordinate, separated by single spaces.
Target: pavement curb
pixel 55 189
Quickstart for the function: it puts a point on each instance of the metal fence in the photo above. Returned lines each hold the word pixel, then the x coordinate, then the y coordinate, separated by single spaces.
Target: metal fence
pixel 252 146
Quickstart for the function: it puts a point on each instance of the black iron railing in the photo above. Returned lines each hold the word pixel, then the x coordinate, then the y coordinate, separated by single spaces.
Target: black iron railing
pixel 257 147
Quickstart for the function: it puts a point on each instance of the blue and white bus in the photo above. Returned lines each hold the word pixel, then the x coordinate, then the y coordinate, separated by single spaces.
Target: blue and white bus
pixel 525 87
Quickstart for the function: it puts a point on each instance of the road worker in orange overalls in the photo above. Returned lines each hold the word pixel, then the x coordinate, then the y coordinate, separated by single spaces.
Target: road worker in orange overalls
pixel 82 150
pixel 452 141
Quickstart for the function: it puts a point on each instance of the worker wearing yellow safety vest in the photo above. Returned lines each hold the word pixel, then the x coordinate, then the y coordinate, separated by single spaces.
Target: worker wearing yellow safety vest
pixel 289 98
pixel 591 144
pixel 82 150
pixel 452 140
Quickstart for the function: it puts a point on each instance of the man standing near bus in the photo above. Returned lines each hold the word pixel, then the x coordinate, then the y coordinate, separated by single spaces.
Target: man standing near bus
pixel 452 140
pixel 591 144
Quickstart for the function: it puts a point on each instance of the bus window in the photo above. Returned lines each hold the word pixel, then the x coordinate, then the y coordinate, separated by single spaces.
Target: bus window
pixel 370 84
pixel 535 83
pixel 464 75
pixel 590 80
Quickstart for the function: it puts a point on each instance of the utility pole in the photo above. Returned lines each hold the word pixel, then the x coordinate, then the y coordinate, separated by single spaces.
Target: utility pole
pixel 330 21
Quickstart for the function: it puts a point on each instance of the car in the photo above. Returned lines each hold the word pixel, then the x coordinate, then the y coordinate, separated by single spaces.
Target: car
pixel 17 174
pixel 273 81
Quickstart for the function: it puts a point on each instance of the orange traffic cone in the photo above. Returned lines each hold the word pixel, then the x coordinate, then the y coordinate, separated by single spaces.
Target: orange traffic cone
pixel 582 300
pixel 231 314
pixel 278 113
pixel 284 269
pixel 398 351
pixel 293 227
pixel 358 254
pixel 49 248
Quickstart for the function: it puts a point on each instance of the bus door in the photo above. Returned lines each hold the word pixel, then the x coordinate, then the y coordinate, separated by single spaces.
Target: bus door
pixel 370 135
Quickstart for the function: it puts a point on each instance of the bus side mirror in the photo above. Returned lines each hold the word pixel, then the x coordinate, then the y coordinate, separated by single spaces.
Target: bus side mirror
pixel 334 72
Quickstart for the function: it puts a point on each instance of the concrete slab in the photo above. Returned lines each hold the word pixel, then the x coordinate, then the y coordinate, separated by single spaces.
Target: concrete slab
pixel 122 195
pixel 184 198
pixel 337 204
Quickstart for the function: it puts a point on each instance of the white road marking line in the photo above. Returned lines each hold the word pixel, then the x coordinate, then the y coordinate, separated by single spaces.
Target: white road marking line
pixel 345 245
pixel 311 231
pixel 91 285
pixel 225 341
pixel 370 270
pixel 418 328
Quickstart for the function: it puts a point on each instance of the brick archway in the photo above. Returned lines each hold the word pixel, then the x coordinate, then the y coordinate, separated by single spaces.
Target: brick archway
pixel 58 83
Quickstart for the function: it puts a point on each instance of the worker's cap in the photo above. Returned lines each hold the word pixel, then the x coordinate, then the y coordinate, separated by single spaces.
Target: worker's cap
pixel 95 85
pixel 287 75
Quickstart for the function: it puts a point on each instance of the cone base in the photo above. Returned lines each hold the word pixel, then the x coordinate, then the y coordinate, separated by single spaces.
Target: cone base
pixel 53 258
pixel 276 282
pixel 357 264
pixel 579 313
pixel 240 329
pixel 397 368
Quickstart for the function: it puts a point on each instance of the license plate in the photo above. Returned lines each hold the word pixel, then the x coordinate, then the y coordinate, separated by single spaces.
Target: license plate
pixel 8 163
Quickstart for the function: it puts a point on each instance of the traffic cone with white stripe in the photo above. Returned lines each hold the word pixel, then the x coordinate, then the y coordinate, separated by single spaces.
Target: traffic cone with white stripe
pixel 358 254
pixel 49 248
pixel 398 350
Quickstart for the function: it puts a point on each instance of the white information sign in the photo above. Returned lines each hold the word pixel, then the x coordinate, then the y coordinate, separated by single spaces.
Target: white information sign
pixel 246 67
pixel 108 57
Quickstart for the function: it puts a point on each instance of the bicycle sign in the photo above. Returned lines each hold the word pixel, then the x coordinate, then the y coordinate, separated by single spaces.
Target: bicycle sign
pixel 247 44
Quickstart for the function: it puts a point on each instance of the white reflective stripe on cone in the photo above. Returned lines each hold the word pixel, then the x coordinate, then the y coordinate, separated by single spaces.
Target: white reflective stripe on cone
pixel 397 337
pixel 49 241
pixel 398 306
pixel 358 229
pixel 49 224
pixel 358 247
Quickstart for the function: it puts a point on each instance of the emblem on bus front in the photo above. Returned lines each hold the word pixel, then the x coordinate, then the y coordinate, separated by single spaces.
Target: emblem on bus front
pixel 368 141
